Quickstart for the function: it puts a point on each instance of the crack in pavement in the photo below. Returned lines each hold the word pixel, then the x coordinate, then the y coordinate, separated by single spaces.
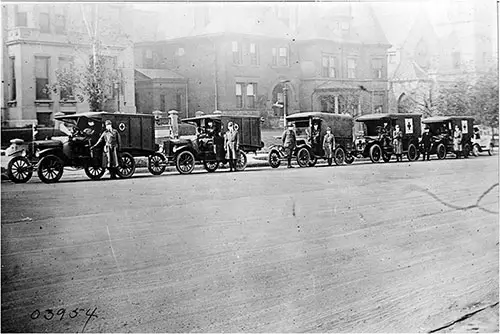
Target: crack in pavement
pixel 463 208
pixel 462 318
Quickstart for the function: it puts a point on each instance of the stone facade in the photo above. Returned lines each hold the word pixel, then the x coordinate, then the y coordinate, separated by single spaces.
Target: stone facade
pixel 42 38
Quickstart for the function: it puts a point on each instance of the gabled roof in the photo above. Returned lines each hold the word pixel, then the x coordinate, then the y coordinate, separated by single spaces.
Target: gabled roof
pixel 154 74
pixel 409 70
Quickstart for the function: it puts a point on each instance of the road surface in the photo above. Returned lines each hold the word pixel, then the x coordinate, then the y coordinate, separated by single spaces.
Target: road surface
pixel 398 247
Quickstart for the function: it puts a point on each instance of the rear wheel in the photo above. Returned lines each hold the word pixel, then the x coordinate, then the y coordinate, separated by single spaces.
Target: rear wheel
pixel 19 170
pixel 210 166
pixel 156 164
pixel 349 159
pixel 303 157
pixel 441 151
pixel 412 152
pixel 339 156
pixel 185 162
pixel 274 159
pixel 94 172
pixel 50 169
pixel 386 156
pixel 467 150
pixel 375 153
pixel 126 165
pixel 241 161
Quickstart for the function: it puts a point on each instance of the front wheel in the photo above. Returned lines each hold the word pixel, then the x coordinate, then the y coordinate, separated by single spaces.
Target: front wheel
pixel 475 150
pixel 349 159
pixel 441 151
pixel 274 159
pixel 339 156
pixel 303 157
pixel 185 162
pixel 241 161
pixel 126 165
pixel 94 173
pixel 375 153
pixel 210 166
pixel 313 161
pixel 50 169
pixel 386 156
pixel 19 170
pixel 156 164
pixel 467 150
pixel 412 152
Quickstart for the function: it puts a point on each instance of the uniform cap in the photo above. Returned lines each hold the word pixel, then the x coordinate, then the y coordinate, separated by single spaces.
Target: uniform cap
pixel 107 122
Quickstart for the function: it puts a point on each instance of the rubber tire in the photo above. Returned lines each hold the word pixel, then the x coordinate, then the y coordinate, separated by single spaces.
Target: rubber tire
pixel 313 161
pixel 386 157
pixel 25 164
pixel 373 155
pixel 466 151
pixel 119 171
pixel 349 159
pixel 441 148
pixel 241 162
pixel 153 164
pixel 187 155
pixel 274 159
pixel 339 156
pixel 303 157
pixel 94 176
pixel 210 166
pixel 52 159
pixel 412 154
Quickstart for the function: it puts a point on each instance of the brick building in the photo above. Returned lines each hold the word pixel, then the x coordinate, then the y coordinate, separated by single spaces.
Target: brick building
pixel 331 57
pixel 40 38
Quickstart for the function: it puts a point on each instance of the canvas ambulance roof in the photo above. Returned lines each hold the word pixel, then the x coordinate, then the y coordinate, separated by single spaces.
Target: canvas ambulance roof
pixel 377 117
pixel 440 119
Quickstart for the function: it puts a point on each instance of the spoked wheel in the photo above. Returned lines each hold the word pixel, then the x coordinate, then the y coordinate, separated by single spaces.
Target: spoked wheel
pixel 349 159
pixel 467 150
pixel 95 172
pixel 156 164
pixel 303 157
pixel 126 165
pixel 441 151
pixel 19 170
pixel 386 156
pixel 241 161
pixel 185 162
pixel 50 169
pixel 274 159
pixel 339 156
pixel 375 153
pixel 211 166
pixel 412 152
pixel 313 161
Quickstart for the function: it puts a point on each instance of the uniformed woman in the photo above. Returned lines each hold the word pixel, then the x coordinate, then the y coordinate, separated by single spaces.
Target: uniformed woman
pixel 398 143
pixel 329 145
pixel 112 143
pixel 457 141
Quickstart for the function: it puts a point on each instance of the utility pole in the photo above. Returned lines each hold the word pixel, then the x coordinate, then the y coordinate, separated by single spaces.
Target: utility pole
pixel 5 67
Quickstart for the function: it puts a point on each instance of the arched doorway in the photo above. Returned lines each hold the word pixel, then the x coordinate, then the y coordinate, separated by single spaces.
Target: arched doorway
pixel 278 98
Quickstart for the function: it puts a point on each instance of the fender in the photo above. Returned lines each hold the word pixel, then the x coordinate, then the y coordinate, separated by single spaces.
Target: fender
pixel 180 148
pixel 55 151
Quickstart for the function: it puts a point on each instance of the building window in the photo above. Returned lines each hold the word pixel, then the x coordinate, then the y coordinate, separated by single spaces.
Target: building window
pixel 345 27
pixel 178 102
pixel 60 24
pixel 21 18
pixel 163 103
pixel 12 64
pixel 377 68
pixel 239 95
pixel 65 66
pixel 456 59
pixel 329 69
pixel 351 68
pixel 148 58
pixel 392 58
pixel 254 54
pixel 280 56
pixel 251 95
pixel 44 22
pixel 180 52
pixel 237 55
pixel 42 77
pixel 109 90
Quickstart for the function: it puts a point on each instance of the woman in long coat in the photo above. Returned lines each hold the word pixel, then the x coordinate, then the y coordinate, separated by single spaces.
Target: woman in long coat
pixel 232 145
pixel 329 145
pixel 457 141
pixel 398 143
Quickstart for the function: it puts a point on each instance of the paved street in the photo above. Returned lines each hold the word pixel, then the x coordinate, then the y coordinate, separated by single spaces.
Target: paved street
pixel 406 247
